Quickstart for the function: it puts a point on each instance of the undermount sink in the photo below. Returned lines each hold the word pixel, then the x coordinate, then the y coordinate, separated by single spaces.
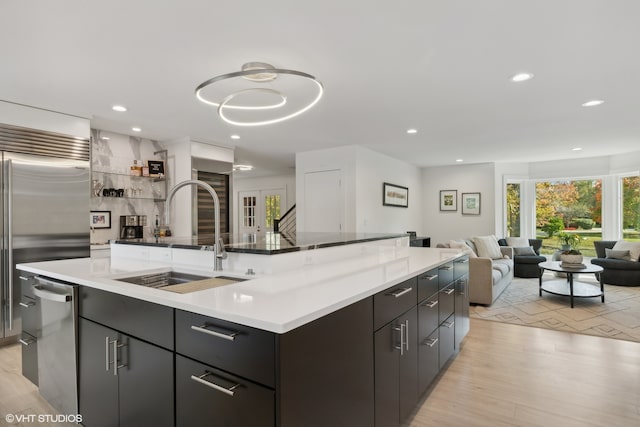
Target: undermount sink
pixel 179 282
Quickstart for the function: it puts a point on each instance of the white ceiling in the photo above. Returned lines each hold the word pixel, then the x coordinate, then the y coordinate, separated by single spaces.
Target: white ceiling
pixel 442 67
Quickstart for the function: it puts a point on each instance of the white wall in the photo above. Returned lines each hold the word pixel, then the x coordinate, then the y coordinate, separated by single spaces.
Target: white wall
pixel 340 158
pixel 444 226
pixel 362 172
pixel 288 182
pixel 372 170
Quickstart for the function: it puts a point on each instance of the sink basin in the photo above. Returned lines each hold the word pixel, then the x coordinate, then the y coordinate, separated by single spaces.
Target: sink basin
pixel 179 282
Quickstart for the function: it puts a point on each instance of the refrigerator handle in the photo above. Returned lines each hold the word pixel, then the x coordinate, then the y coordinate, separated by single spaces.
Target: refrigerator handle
pixel 9 232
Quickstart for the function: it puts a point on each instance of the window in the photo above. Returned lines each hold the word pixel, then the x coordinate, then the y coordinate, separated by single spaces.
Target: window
pixel 272 209
pixel 249 211
pixel 513 210
pixel 631 208
pixel 572 206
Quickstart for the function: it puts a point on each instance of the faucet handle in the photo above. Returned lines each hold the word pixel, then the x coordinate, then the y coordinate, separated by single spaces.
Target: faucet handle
pixel 221 253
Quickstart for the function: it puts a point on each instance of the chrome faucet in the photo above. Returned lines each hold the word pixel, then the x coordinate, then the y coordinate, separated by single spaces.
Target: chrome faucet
pixel 218 246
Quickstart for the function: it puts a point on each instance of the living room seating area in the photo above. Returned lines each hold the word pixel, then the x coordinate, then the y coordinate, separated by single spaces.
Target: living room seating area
pixel 620 260
pixel 526 255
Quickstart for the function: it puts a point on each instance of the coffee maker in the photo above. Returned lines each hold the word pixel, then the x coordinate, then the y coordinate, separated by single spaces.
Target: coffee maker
pixel 131 226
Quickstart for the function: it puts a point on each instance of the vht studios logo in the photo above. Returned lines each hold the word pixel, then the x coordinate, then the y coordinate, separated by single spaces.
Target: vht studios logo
pixel 42 418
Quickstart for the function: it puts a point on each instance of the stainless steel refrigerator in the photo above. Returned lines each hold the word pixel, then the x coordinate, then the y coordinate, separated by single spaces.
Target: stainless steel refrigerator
pixel 44 209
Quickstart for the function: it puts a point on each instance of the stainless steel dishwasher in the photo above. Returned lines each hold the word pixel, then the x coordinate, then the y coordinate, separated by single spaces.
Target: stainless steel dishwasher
pixel 57 339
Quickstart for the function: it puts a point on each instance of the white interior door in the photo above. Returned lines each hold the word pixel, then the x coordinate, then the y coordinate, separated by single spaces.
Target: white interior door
pixel 258 208
pixel 323 207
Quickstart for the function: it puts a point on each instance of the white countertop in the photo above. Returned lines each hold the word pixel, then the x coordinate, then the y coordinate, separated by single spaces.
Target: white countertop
pixel 277 302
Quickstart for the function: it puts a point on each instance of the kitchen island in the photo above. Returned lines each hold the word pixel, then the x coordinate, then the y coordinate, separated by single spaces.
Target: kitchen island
pixel 346 334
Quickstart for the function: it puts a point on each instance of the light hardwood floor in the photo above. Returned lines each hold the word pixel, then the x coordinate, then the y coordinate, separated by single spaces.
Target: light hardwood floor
pixel 512 375
pixel 505 375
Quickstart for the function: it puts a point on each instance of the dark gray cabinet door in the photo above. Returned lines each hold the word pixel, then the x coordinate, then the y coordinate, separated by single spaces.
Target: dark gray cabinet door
pixel 145 384
pixel 396 370
pixel 206 396
pixel 461 310
pixel 409 365
pixel 387 376
pixel 142 391
pixel 98 387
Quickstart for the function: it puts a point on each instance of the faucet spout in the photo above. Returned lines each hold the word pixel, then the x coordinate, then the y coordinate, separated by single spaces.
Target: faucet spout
pixel 218 247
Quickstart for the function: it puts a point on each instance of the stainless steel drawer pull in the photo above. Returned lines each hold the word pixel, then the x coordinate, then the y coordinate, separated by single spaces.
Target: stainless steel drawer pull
pixel 449 291
pixel 116 346
pixel 401 346
pixel 23 278
pixel 27 304
pixel 448 324
pixel 399 292
pixel 435 276
pixel 203 328
pixel 430 342
pixel 463 261
pixel 446 267
pixel 406 334
pixel 26 342
pixel 430 304
pixel 201 380
pixel 106 354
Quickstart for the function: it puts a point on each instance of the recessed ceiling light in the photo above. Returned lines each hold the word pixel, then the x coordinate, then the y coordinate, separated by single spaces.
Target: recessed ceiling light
pixel 521 77
pixel 459 160
pixel 106 138
pixel 593 103
pixel 242 167
pixel 119 108
pixel 235 136
pixel 576 149
pixel 136 129
pixel 412 131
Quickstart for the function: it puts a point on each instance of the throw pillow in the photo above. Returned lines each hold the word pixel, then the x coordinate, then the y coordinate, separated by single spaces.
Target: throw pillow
pixel 517 242
pixel 632 247
pixel 614 254
pixel 526 250
pixel 487 246
pixel 465 248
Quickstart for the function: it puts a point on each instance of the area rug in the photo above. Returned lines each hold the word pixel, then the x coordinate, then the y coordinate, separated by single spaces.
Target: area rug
pixel 618 317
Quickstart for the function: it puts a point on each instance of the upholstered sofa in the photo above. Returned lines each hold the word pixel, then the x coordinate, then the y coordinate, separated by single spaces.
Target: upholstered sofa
pixel 526 265
pixel 616 271
pixel 487 277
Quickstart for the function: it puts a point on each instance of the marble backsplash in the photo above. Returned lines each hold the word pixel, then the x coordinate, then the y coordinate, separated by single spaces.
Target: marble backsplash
pixel 112 156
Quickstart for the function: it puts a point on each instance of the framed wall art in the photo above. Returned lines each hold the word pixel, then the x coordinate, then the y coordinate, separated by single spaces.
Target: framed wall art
pixel 470 203
pixel 395 195
pixel 449 200
pixel 100 219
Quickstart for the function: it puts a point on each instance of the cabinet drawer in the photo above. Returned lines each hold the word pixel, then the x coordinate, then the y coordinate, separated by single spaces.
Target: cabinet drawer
pixel 29 357
pixel 445 274
pixel 428 360
pixel 428 316
pixel 392 302
pixel 242 350
pixel 446 342
pixel 141 319
pixel 31 314
pixel 460 267
pixel 446 302
pixel 427 284
pixel 207 396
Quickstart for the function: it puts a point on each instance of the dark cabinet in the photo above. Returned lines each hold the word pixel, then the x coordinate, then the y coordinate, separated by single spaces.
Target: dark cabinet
pixel 122 380
pixel 396 370
pixel 461 310
pixel 245 351
pixel 446 346
pixel 208 396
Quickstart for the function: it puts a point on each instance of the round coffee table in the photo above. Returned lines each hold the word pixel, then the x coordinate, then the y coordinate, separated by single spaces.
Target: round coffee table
pixel 569 287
